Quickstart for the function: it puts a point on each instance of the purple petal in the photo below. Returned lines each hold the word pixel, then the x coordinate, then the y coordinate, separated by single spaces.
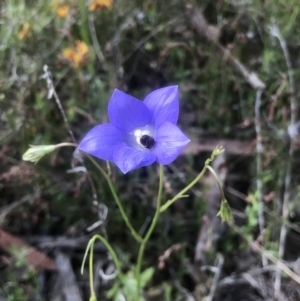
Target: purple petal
pixel 126 112
pixel 127 158
pixel 163 103
pixel 170 141
pixel 102 140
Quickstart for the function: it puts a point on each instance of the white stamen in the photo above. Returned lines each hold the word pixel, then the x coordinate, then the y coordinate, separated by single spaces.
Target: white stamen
pixel 138 133
pixel 134 138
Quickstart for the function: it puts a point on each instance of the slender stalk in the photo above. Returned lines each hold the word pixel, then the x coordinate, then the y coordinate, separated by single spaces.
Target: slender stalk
pixel 151 228
pixel 288 176
pixel 217 151
pixel 66 144
pixel 113 191
pixel 91 270
pixel 90 248
pixel 52 92
pixel 184 190
pixel 214 285
pixel 84 32
pixel 259 181
pixel 95 41
pixel 261 250
pixel 218 181
pixel 112 253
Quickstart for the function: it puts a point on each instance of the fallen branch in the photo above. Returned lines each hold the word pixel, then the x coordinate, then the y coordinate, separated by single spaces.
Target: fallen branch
pixel 37 259
pixel 234 147
pixel 65 287
pixel 62 242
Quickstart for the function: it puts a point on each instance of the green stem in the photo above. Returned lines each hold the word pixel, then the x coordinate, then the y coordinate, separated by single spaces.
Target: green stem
pixel 90 248
pixel 111 186
pixel 184 190
pixel 91 270
pixel 217 151
pixel 113 255
pixel 66 144
pixel 151 228
pixel 84 31
pixel 218 181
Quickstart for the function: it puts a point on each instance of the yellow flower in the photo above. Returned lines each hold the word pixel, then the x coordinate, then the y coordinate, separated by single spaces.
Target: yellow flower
pixel 76 55
pixel 24 32
pixel 99 4
pixel 61 9
pixel 81 48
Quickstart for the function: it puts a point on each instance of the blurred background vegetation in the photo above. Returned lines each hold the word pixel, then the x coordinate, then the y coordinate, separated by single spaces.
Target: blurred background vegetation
pixel 237 66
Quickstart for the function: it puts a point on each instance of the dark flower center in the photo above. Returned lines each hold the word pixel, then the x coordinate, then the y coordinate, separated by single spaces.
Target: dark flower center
pixel 147 141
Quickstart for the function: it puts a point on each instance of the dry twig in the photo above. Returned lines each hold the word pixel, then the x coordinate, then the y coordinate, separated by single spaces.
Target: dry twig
pixel 52 92
pixel 96 44
pixel 199 22
pixel 4 211
pixel 66 287
pixel 62 242
pixel 262 251
pixel 165 256
pixel 288 175
pixel 259 181
pixel 215 281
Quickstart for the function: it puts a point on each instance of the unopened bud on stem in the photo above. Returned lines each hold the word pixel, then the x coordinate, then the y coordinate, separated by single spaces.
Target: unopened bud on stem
pixel 36 152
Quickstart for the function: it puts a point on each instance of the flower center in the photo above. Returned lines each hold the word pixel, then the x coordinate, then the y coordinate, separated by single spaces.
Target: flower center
pixel 144 137
pixel 147 141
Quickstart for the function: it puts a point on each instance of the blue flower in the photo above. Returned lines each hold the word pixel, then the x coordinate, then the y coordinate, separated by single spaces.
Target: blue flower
pixel 139 133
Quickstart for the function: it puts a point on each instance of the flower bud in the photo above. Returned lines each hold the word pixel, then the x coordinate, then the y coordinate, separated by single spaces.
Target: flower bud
pixel 217 151
pixel 36 152
pixel 225 212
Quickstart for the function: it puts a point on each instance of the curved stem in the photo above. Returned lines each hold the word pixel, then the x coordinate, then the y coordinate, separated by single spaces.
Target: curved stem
pixel 66 144
pixel 91 270
pixel 217 151
pixel 151 228
pixel 184 190
pixel 90 248
pixel 217 179
pixel 112 253
pixel 112 189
